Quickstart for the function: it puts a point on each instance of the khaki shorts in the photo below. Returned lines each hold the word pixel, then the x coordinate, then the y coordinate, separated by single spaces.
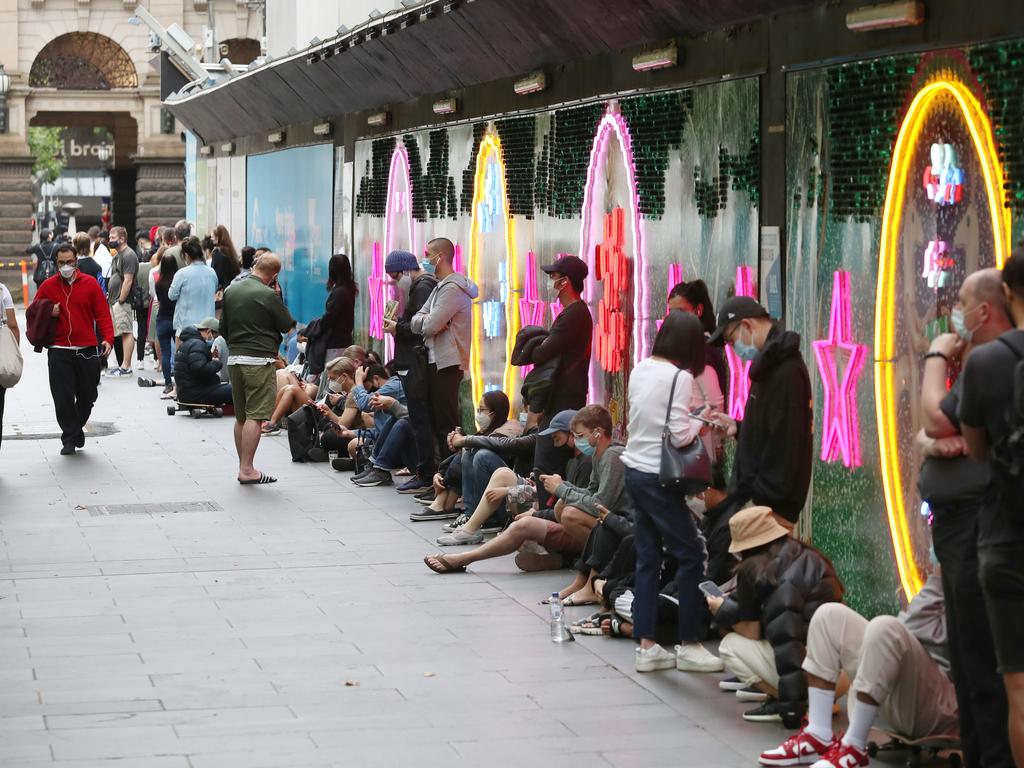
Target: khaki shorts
pixel 123 317
pixel 252 391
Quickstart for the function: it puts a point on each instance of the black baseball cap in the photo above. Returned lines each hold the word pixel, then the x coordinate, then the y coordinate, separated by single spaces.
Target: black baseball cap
pixel 572 267
pixel 734 309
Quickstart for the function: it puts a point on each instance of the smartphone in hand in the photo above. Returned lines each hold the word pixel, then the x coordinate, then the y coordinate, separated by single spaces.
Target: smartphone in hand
pixel 710 589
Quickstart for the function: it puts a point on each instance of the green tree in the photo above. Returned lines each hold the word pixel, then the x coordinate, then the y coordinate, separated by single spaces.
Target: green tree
pixel 47 146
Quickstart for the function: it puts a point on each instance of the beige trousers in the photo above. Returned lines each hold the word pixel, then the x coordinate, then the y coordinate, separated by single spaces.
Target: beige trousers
pixel 886 662
pixel 752 661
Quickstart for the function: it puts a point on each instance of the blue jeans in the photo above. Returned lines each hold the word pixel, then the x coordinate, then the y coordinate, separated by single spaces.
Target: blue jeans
pixel 477 467
pixel 396 447
pixel 663 520
pixel 165 335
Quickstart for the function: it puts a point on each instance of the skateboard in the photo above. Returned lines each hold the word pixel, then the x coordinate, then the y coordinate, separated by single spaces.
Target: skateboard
pixel 195 410
pixel 930 747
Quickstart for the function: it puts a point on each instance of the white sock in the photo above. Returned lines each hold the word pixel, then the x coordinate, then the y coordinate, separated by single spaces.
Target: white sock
pixel 862 717
pixel 819 713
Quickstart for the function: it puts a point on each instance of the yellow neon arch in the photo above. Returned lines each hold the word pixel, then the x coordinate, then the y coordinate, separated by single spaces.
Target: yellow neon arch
pixel 491 145
pixel 885 301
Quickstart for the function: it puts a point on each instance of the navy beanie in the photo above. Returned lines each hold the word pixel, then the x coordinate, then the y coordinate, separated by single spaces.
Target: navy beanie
pixel 400 261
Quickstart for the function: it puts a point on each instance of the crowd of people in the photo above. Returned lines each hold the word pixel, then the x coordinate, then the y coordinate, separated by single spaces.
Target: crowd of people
pixel 677 559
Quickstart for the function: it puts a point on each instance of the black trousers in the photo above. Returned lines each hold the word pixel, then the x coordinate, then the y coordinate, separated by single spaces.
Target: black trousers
pixel 74 376
pixel 601 546
pixel 213 394
pixel 417 400
pixel 443 386
pixel 980 695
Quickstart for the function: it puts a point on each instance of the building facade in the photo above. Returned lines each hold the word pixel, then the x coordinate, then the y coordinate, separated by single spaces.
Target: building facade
pixel 84 63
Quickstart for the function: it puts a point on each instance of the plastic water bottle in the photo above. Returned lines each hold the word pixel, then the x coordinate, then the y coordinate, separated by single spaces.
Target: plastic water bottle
pixel 558 632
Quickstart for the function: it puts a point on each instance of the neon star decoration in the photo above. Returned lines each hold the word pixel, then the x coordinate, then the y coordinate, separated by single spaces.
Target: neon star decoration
pixel 613 271
pixel 490 161
pixel 613 125
pixel 943 92
pixel 840 437
pixel 739 370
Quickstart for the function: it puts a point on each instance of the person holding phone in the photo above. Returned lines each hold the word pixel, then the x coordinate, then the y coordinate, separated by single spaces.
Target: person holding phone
pixel 780 583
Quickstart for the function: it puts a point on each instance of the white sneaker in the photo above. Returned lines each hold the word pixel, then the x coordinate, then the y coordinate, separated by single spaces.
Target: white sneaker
pixel 459 537
pixel 654 658
pixel 694 657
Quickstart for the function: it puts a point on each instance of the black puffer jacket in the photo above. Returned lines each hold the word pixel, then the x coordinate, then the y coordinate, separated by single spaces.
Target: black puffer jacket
pixel 784 598
pixel 194 366
pixel 775 442
pixel 406 340
pixel 518 452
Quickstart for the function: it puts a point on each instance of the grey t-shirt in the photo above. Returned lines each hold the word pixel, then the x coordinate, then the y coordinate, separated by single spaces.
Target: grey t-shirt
pixel 125 263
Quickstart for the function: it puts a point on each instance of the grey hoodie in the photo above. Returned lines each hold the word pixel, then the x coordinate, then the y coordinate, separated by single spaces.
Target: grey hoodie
pixel 446 321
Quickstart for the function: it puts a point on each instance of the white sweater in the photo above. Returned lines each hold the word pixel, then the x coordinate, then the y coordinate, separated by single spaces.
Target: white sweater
pixel 649 385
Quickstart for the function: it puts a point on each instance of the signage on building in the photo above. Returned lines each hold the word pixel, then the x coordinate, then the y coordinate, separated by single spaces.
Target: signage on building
pixel 85 149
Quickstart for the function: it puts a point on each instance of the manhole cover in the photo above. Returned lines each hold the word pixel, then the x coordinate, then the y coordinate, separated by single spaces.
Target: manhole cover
pixel 166 508
pixel 36 430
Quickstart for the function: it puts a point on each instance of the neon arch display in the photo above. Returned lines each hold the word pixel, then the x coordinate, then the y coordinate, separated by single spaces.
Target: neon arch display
pixel 397 221
pixel 887 386
pixel 614 125
pixel 840 437
pixel 490 209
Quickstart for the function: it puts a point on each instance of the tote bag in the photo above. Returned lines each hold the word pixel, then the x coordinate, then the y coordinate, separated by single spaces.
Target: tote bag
pixel 11 362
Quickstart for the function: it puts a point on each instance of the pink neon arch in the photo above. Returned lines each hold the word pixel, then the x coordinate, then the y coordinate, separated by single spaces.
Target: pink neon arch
pixel 614 124
pixel 739 370
pixel 399 203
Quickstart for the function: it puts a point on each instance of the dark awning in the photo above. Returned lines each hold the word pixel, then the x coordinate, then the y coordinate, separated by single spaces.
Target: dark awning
pixel 476 43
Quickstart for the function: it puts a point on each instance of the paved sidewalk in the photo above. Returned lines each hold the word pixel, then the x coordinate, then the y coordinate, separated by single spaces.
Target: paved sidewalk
pixel 289 625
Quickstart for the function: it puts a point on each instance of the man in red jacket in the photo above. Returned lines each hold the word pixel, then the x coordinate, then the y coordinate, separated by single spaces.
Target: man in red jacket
pixel 80 308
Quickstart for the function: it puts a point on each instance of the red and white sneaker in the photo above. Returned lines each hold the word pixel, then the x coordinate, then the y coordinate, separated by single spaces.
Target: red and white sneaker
pixel 802 748
pixel 843 756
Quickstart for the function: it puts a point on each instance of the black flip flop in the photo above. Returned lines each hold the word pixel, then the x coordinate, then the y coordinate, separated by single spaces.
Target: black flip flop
pixel 261 480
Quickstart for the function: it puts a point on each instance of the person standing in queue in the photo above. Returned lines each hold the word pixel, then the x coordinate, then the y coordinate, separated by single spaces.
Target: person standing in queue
pixel 80 308
pixel 446 324
pixel 416 286
pixel 774 448
pixel 254 320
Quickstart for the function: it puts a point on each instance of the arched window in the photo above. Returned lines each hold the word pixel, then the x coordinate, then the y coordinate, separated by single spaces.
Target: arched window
pixel 83 61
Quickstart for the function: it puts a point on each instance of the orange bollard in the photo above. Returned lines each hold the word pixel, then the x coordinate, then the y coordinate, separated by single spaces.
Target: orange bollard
pixel 24 282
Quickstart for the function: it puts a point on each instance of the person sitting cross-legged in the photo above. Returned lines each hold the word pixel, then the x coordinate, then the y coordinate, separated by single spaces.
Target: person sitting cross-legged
pixel 577 509
pixel 899 672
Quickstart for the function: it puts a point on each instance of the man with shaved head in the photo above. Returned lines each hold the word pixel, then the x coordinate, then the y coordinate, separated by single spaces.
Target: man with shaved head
pixel 957 491
pixel 254 320
pixel 445 322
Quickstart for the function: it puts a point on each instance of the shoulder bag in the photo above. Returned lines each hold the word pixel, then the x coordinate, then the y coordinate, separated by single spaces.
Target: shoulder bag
pixel 685 471
pixel 11 361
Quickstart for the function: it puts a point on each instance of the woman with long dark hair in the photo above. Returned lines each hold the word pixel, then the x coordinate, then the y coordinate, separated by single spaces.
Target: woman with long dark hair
pixel 340 310
pixel 693 297
pixel 165 318
pixel 663 384
pixel 224 259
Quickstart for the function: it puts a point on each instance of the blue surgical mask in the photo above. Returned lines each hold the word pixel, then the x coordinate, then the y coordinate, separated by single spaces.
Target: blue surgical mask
pixel 209 342
pixel 428 266
pixel 585 447
pixel 960 325
pixel 744 351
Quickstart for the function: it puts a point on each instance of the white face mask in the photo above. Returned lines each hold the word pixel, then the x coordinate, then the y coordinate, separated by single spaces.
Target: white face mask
pixel 697 506
pixel 404 283
pixel 67 271
pixel 483 419
pixel 335 386
pixel 301 347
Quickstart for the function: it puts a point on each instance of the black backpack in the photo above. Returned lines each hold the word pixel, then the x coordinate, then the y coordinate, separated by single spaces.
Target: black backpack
pixel 47 266
pixel 304 435
pixel 1008 454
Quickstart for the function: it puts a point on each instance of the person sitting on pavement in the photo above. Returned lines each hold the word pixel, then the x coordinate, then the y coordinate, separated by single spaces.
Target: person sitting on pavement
pixel 197 371
pixel 899 670
pixel 575 512
pixel 376 392
pixel 780 583
pixel 219 347
pixel 491 487
pixel 491 419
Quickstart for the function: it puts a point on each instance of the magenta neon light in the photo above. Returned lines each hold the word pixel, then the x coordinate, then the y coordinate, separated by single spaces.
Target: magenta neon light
pixel 457 259
pixel 592 219
pixel 375 284
pixel 531 306
pixel 675 277
pixel 399 203
pixel 739 370
pixel 840 437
